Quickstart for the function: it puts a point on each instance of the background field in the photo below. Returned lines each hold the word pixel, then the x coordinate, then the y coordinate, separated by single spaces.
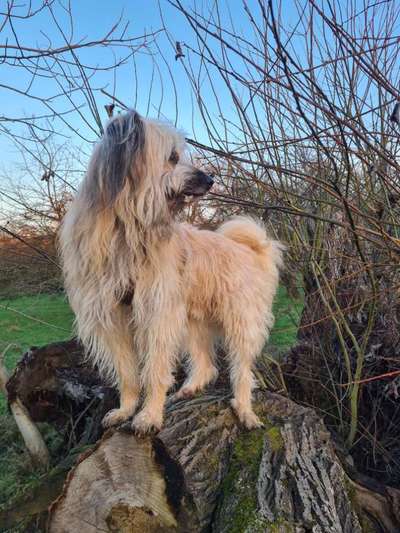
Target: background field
pixel 32 321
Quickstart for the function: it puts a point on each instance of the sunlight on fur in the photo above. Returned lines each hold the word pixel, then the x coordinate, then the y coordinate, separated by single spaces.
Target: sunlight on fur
pixel 145 288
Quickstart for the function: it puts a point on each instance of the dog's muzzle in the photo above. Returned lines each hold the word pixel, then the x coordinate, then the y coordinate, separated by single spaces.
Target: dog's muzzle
pixel 198 184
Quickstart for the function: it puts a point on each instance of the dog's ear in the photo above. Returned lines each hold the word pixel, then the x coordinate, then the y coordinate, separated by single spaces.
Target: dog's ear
pixel 117 155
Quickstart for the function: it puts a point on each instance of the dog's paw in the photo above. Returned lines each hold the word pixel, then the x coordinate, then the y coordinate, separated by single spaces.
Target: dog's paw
pixel 247 417
pixel 185 393
pixel 144 423
pixel 115 417
pixel 196 384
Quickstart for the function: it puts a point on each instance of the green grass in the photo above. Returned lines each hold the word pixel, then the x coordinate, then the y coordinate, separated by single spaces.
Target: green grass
pixel 18 476
pixel 32 321
pixel 287 317
pixel 47 318
pixel 37 320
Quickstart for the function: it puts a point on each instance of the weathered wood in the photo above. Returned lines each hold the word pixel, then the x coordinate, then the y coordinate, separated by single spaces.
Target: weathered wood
pixel 295 483
pixel 31 435
pixel 202 472
pixel 120 483
pixel 57 385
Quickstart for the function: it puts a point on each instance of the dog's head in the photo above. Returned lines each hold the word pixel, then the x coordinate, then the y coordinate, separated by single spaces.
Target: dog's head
pixel 140 167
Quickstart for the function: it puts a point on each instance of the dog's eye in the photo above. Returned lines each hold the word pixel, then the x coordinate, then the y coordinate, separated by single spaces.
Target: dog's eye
pixel 174 157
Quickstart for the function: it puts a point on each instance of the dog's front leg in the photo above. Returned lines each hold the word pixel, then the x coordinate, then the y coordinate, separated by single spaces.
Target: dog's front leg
pixel 128 385
pixel 163 340
pixel 118 342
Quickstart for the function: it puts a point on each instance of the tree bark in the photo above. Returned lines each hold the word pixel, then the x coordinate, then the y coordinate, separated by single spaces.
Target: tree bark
pixel 202 472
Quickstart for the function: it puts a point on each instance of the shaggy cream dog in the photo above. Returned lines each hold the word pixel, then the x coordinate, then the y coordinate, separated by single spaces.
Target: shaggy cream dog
pixel 145 288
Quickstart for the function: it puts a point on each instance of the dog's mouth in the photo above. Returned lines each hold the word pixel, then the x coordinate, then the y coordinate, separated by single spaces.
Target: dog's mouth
pixel 198 185
pixel 194 188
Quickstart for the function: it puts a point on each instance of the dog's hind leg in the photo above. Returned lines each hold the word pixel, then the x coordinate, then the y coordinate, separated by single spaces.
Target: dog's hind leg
pixel 245 338
pixel 123 357
pixel 200 345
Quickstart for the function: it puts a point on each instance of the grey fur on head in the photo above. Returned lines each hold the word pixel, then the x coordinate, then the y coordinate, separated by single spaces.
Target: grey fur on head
pixel 113 160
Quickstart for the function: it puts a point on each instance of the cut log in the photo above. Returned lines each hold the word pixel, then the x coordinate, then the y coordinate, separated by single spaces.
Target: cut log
pixel 202 472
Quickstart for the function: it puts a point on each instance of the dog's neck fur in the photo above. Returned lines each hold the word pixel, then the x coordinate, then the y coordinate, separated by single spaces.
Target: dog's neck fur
pixel 141 245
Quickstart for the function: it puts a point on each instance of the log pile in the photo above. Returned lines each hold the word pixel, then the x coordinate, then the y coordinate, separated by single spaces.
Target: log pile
pixel 202 472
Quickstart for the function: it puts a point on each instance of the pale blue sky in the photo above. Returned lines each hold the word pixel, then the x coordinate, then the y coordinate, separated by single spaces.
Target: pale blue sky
pixel 92 19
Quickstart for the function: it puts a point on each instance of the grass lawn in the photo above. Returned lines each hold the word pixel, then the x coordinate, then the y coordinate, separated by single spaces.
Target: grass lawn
pixel 24 322
pixel 37 320
pixel 32 321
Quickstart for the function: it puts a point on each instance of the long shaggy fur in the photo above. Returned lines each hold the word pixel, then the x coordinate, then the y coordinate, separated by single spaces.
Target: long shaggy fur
pixel 145 288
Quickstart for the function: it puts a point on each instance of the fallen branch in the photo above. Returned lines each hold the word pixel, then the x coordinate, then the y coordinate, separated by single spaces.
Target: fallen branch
pixel 31 435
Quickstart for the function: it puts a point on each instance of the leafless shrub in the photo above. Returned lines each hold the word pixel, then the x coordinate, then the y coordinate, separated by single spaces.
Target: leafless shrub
pixel 306 107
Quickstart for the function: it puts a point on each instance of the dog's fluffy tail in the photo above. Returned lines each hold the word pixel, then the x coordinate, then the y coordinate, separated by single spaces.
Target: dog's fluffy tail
pixel 252 234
